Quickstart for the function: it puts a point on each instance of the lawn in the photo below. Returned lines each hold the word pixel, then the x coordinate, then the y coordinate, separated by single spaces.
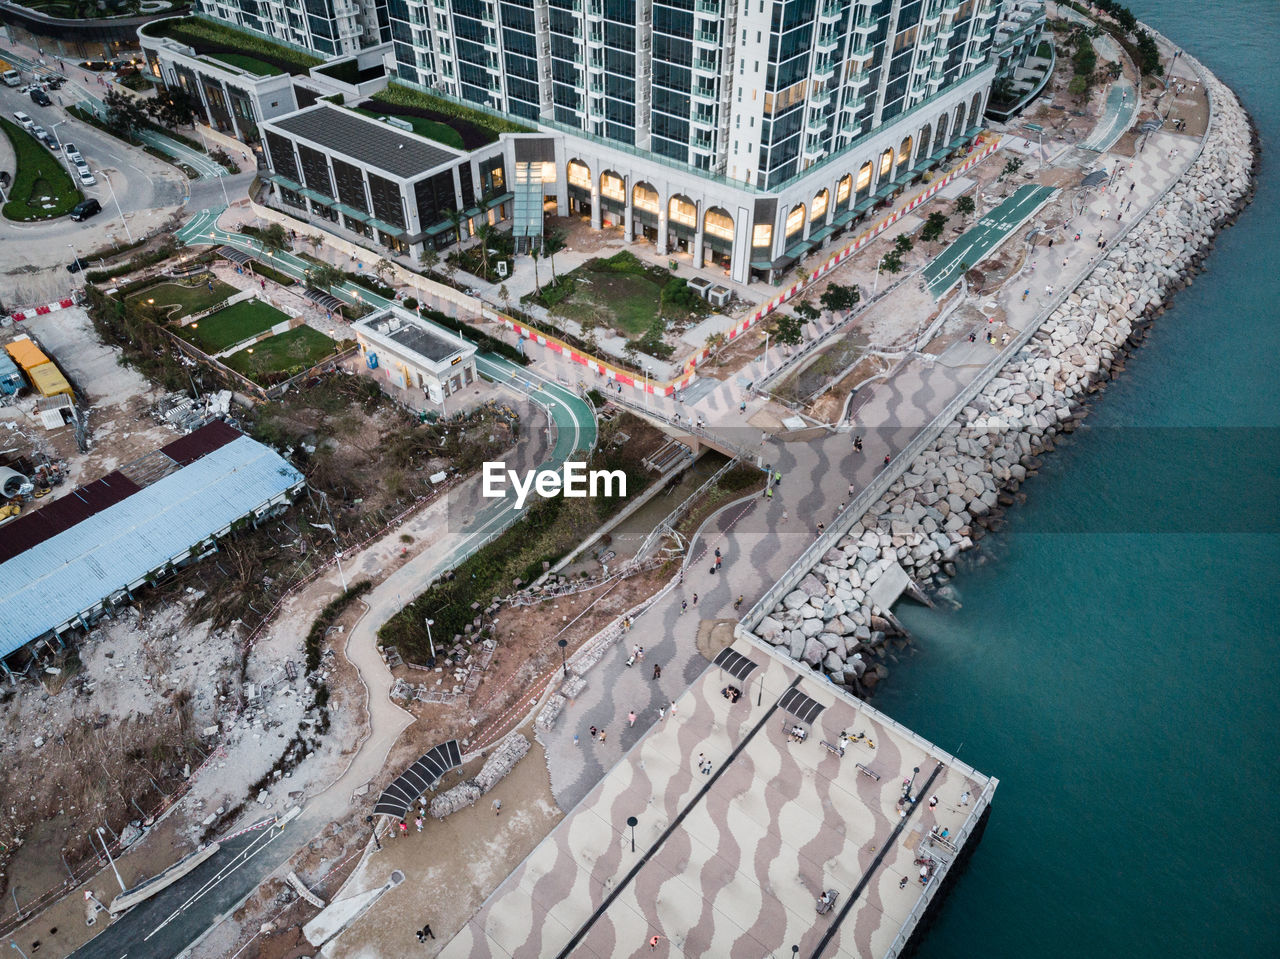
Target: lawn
pixel 287 353
pixel 174 300
pixel 228 327
pixel 618 292
pixel 430 129
pixel 39 175
pixel 210 38
pixel 248 64
pixel 475 127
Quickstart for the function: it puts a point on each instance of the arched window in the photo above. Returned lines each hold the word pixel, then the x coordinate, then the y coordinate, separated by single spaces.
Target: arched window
pixel 795 220
pixel 579 175
pixel 719 224
pixel 645 197
pixel 818 209
pixel 682 211
pixel 613 187
pixel 843 190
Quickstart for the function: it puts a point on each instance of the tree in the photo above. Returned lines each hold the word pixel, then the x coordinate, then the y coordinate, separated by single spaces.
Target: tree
pixel 125 113
pixel 483 233
pixel 552 244
pixel 316 240
pixel 802 275
pixel 172 107
pixel 715 340
pixel 1012 166
pixel 933 227
pixel 325 276
pixel 836 297
pixel 384 268
pixel 430 258
pixel 806 310
pixel 965 207
pixel 788 329
pixel 537 287
pixel 273 238
pixel 891 261
pixel 505 296
pixel 902 244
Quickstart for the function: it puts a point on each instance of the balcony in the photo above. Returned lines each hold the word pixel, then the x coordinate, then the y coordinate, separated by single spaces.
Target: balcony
pixel 830 12
pixel 856 105
pixel 975 58
pixel 950 6
pixel 703 140
pixel 708 65
pixel 709 38
pixel 851 127
pixel 861 50
pixel 711 7
pixel 820 99
pixel 827 45
pixel 706 94
pixel 817 123
pixel 986 14
pixel 814 150
pixel 824 70
pixel 865 25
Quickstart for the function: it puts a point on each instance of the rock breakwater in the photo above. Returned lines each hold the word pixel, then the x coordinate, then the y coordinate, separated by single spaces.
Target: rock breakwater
pixel 957 488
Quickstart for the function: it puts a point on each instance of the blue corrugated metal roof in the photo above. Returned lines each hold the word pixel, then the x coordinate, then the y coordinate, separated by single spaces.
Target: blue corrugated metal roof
pixel 55 581
pixel 10 378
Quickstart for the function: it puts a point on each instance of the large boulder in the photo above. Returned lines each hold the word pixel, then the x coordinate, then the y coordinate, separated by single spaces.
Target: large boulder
pixel 814 651
pixel 795 599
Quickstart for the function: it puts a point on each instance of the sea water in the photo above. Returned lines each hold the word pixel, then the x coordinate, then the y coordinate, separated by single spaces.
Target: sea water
pixel 1115 661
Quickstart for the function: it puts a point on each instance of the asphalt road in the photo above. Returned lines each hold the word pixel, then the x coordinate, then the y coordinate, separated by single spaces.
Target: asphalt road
pixel 163 926
pixel 977 243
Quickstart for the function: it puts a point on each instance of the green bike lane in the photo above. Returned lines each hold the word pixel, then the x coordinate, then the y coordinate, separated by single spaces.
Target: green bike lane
pixel 981 240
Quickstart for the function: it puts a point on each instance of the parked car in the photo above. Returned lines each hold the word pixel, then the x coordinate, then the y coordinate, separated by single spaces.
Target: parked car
pixel 23 120
pixel 85 209
pixel 72 153
pixel 5 179
pixel 78 264
pixel 86 175
pixel 40 97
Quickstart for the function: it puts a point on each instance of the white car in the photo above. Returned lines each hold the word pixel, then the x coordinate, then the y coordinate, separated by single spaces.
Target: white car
pixel 72 153
pixel 25 121
pixel 86 175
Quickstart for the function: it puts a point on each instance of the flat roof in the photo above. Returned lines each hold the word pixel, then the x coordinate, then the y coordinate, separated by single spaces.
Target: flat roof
pixel 731 863
pixel 62 575
pixel 371 142
pixel 413 334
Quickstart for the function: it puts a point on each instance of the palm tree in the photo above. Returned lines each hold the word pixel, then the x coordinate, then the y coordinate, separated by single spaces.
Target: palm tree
pixel 384 268
pixel 455 218
pixel 537 287
pixel 430 258
pixel 483 233
pixel 505 296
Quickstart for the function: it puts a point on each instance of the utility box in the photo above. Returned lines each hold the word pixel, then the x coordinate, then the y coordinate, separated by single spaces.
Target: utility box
pixel 719 295
pixel 700 286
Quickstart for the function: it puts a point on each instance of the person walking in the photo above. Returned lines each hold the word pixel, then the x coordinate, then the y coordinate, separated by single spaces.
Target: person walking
pixel 737 602
pixel 418 822
pixel 887 457
pixel 673 708
pixel 695 599
pixel 631 718
pixel 497 803
pixel 684 606
pixel 593 732
pixel 662 713
pixel 603 734
pixel 657 671
pixel 427 933
pixel 404 828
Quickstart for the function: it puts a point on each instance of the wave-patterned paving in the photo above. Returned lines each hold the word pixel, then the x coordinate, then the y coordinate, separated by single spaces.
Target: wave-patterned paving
pixel 730 863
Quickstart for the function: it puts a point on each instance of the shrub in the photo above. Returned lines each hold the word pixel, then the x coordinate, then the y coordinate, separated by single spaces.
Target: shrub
pixel 336 607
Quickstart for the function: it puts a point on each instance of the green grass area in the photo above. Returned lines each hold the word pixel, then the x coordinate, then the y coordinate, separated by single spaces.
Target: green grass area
pixel 208 37
pixel 247 63
pixel 39 175
pixel 619 292
pixel 475 127
pixel 430 129
pixel 228 327
pixel 287 353
pixel 174 300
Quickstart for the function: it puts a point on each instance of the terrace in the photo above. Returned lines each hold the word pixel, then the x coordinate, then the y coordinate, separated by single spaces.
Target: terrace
pixel 239 48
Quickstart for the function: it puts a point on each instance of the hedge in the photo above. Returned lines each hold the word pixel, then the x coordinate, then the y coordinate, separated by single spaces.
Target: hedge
pixel 477 336
pixel 337 606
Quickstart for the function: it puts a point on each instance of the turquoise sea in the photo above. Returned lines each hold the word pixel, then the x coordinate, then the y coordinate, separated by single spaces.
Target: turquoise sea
pixel 1115 661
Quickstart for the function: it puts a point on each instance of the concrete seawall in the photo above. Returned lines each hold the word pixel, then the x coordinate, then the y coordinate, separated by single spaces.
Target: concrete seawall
pixel 822 613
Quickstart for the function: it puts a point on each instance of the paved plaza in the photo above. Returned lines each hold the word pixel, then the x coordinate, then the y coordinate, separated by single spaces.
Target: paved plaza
pixel 730 862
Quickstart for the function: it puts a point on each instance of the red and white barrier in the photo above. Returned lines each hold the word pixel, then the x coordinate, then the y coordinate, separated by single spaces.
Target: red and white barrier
pixel 20 315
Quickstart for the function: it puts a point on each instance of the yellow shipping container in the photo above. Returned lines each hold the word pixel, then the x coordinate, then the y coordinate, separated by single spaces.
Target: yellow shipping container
pixel 25 353
pixel 49 381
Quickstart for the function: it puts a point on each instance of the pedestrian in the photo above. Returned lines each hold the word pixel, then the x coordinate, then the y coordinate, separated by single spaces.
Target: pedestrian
pixel 497 803
pixel 264 283
pixel 575 740
pixel 593 732
pixel 1004 339
pixel 857 444
pixel 1026 293
pixel 631 718
pixel 695 599
pixel 973 337
pixel 418 823
pixel 717 554
pixel 1131 186
pixel 964 798
pixel 684 606
pixel 851 490
pixel 653 942
pixel 719 559
pixel 933 802
pixel 784 516
pixel 768 494
pixel 706 768
pixel 639 652
pixel 635 651
pixel 886 459
pixel 702 761
pixel 742 407
pixel 737 602
pixel 603 734
pixel 673 708
pixel 1048 290
pixel 427 933
pixel 404 828
pixel 657 671
pixel 662 713
pixel 902 883
pixel 821 527
pixel 777 477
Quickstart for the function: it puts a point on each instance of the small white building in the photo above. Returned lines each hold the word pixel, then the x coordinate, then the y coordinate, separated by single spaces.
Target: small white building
pixel 415 354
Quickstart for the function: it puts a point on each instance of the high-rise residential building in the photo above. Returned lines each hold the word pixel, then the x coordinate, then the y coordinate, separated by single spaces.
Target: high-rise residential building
pixel 741 132
pixel 326 27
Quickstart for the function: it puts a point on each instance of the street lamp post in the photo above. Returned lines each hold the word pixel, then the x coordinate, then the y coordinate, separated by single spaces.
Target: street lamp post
pixel 103 839
pixel 563 663
pixel 431 642
pixel 129 233
pixel 646 386
pixel 65 159
pixel 14 945
pixel 632 821
pixel 374 830
pixel 221 172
